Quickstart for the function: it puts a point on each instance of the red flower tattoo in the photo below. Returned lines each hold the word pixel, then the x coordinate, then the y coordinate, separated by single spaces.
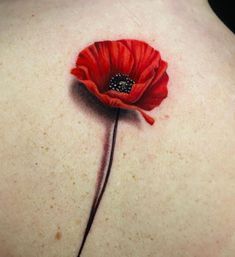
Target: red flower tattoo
pixel 126 74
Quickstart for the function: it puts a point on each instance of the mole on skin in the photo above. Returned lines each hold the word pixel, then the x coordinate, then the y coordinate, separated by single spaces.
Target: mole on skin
pixel 58 235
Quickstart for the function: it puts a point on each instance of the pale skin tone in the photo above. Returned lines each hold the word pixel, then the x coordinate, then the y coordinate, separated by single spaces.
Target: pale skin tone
pixel 171 191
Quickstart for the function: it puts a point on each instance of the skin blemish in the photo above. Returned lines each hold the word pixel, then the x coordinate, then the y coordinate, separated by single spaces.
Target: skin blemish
pixel 58 235
pixel 164 117
pixel 134 177
pixel 46 148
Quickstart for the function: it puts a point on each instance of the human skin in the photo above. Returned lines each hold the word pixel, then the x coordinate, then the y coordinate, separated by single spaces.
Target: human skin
pixel 171 191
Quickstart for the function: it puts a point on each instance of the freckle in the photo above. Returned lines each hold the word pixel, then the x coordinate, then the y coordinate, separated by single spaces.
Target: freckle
pixel 166 116
pixel 40 234
pixel 36 163
pixel 58 235
pixel 47 148
pixel 32 15
pixel 44 133
pixel 51 206
pixel 106 219
pixel 77 222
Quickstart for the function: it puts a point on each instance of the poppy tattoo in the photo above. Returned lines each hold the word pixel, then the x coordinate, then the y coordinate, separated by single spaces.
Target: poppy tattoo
pixel 122 74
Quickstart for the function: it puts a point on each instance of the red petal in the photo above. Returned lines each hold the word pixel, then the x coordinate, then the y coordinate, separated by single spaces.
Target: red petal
pixel 146 59
pixel 154 94
pixel 81 72
pixel 159 72
pixel 101 60
pixel 96 60
pixel 121 58
pixel 114 102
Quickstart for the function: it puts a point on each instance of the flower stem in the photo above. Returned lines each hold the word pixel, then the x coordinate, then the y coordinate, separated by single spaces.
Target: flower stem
pixel 101 186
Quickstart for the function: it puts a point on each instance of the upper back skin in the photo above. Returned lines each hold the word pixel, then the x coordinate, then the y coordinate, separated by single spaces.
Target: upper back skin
pixel 171 192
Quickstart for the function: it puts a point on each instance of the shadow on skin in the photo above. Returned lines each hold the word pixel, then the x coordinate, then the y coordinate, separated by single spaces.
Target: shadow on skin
pixel 86 101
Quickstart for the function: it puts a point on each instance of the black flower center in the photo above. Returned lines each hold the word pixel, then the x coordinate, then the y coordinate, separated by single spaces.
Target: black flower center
pixel 121 83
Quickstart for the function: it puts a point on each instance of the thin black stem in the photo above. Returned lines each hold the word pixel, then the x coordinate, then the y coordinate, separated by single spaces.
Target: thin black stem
pixel 99 194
